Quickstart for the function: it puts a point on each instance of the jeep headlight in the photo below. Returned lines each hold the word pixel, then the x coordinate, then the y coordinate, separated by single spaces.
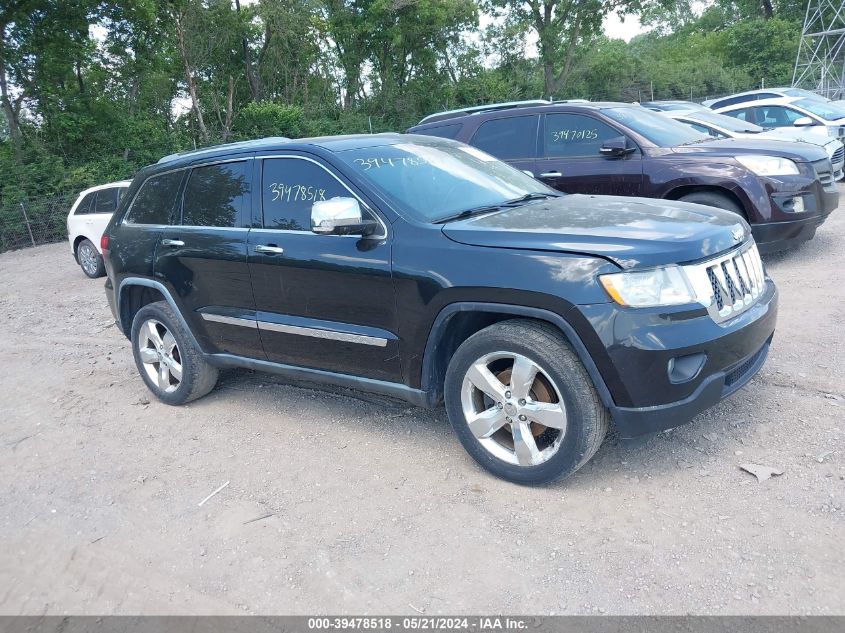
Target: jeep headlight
pixel 667 286
pixel 768 165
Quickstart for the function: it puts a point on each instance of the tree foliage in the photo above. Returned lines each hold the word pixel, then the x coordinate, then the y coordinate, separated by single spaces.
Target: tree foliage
pixel 91 90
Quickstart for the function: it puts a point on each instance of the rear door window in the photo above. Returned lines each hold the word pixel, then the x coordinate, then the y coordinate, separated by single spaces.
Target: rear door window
pixel 289 187
pixel 156 199
pixel 571 135
pixel 508 138
pixel 84 207
pixel 216 195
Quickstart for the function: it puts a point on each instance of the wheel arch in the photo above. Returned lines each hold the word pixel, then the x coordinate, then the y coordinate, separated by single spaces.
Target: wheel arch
pixel 458 321
pixel 78 240
pixel 136 292
pixel 680 191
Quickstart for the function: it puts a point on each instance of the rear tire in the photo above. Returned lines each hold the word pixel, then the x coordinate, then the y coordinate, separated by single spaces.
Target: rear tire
pixel 89 259
pixel 169 362
pixel 533 375
pixel 714 199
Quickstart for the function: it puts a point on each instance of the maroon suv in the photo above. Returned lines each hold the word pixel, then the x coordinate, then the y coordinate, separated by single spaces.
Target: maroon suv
pixel 785 190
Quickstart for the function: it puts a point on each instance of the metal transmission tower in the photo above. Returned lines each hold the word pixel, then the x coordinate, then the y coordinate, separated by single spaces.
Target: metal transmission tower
pixel 820 64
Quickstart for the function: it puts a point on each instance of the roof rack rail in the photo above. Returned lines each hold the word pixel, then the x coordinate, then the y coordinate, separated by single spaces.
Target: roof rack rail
pixel 448 114
pixel 214 148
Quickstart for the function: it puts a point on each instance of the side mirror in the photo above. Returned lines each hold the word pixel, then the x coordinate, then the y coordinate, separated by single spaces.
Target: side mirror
pixel 616 147
pixel 804 121
pixel 340 216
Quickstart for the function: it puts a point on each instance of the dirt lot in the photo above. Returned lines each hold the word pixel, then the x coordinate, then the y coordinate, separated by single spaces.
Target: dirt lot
pixel 376 508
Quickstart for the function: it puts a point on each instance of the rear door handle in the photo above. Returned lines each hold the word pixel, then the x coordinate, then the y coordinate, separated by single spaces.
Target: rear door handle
pixel 167 242
pixel 269 250
pixel 551 174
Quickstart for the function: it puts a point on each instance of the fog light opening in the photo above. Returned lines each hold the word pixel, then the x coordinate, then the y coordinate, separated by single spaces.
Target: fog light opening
pixel 684 368
pixel 795 205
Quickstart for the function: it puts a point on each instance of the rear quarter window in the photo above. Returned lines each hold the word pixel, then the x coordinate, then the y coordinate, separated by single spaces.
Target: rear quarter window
pixel 155 200
pixel 84 206
pixel 106 200
pixel 443 131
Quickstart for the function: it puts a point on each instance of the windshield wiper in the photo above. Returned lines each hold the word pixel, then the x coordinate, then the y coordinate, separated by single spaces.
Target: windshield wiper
pixel 467 213
pixel 537 195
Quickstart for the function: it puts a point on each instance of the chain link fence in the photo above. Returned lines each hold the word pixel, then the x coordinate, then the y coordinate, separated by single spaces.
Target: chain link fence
pixel 34 221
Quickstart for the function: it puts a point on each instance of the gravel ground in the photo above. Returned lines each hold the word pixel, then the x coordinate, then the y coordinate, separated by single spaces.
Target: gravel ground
pixel 338 503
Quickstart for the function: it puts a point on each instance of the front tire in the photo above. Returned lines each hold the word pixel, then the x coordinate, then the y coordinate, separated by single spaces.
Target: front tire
pixel 714 199
pixel 170 364
pixel 90 260
pixel 522 404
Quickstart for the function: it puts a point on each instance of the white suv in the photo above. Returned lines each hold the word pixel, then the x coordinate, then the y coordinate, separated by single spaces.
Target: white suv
pixel 721 126
pixel 86 221
pixel 791 112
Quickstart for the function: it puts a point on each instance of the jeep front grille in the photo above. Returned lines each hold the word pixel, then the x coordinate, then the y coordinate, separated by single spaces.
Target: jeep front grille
pixel 729 284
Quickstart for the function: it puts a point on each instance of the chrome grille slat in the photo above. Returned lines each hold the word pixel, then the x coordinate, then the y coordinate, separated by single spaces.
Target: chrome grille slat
pixel 728 285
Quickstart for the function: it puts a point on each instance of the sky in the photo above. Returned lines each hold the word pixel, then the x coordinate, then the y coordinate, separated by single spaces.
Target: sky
pixel 617 28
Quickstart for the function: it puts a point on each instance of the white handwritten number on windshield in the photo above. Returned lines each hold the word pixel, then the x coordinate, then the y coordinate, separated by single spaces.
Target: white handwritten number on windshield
pixel 406 161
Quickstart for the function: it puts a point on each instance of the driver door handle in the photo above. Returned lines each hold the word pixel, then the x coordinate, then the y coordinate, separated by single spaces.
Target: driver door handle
pixel 269 250
pixel 167 242
pixel 551 174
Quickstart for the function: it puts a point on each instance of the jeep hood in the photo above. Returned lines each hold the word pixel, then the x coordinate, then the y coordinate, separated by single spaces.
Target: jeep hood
pixel 632 232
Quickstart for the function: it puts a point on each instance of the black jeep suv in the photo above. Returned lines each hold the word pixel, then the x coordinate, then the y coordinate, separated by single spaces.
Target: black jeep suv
pixel 784 189
pixel 426 269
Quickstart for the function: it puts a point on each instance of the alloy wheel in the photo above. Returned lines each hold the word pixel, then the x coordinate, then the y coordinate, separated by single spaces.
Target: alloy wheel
pixel 513 408
pixel 160 355
pixel 88 258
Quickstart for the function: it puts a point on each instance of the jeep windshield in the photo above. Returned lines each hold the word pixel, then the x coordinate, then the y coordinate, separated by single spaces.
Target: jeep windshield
pixel 657 128
pixel 440 182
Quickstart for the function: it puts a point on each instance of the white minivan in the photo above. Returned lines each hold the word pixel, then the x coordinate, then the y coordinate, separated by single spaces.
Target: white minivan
pixel 86 221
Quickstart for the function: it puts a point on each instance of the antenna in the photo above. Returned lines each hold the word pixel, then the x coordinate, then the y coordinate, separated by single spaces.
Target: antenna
pixel 820 64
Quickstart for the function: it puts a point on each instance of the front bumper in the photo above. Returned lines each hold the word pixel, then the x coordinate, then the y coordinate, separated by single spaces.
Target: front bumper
pixel 785 227
pixel 632 422
pixel 776 236
pixel 642 351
